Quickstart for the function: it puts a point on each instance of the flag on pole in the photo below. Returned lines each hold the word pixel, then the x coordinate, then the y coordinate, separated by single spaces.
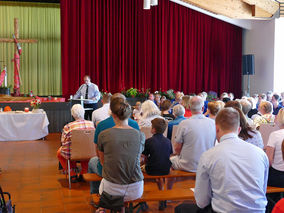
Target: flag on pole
pixel 2 76
pixel 19 49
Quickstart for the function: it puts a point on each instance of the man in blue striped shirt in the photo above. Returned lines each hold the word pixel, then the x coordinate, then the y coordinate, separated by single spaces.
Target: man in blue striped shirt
pixel 91 93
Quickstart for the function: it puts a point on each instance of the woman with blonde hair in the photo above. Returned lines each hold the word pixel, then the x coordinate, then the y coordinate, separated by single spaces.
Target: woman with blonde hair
pixel 185 103
pixel 150 111
pixel 213 108
pixel 265 109
pixel 274 153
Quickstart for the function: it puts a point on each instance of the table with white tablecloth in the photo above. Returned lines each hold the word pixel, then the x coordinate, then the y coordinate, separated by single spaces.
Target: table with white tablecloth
pixel 21 126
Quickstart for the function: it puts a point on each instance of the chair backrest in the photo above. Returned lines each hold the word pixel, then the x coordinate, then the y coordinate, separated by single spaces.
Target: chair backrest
pixel 265 130
pixel 82 144
pixel 148 134
pixel 174 132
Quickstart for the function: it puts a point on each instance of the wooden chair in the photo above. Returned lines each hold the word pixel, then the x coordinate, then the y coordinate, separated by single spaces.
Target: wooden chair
pixel 82 147
pixel 265 130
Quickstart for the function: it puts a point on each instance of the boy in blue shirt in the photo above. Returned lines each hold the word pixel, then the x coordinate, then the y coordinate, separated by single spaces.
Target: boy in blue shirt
pixel 157 153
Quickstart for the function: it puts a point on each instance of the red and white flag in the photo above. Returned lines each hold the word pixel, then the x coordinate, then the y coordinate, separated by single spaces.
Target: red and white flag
pixel 2 75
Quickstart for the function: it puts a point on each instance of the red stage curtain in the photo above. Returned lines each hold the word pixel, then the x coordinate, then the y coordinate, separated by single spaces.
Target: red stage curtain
pixel 120 45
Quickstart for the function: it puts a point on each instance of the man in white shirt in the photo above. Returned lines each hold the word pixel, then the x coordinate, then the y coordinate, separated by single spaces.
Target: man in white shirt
pixel 231 177
pixel 91 93
pixel 103 112
pixel 194 136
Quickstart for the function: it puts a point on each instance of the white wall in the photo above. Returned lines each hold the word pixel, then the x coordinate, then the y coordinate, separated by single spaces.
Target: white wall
pixel 260 42
pixel 279 55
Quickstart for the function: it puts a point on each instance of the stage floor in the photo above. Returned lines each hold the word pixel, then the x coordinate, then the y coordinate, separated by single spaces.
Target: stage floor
pixel 30 173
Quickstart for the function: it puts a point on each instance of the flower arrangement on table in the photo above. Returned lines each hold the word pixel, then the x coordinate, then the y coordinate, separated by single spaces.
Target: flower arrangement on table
pixel 103 92
pixel 35 103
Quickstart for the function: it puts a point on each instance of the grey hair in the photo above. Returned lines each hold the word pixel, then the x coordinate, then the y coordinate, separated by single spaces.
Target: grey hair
pixel 149 109
pixel 178 110
pixel 246 106
pixel 196 103
pixel 77 111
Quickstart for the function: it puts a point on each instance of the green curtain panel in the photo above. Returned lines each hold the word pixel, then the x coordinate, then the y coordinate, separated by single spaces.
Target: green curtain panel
pixel 40 62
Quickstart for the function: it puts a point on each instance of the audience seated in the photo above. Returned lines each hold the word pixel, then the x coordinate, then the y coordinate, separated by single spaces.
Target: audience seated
pixel 231 177
pixel 231 96
pixel 185 104
pixel 224 95
pixel 265 114
pixel 253 110
pixel 274 153
pixel 150 111
pixel 165 108
pixel 247 133
pixel 137 111
pixel 178 98
pixel 269 95
pixel 178 112
pixel 94 163
pixel 119 150
pixel 157 100
pixel 63 153
pixel 282 99
pixel 103 112
pixel 213 108
pixel 194 136
pixel 151 97
pixel 246 107
pixel 261 97
pixel 234 104
pixel 275 102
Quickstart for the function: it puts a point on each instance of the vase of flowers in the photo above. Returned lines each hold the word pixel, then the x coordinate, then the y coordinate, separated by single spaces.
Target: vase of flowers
pixel 35 104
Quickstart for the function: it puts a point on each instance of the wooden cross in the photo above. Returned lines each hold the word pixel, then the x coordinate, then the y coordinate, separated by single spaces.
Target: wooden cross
pixel 16 59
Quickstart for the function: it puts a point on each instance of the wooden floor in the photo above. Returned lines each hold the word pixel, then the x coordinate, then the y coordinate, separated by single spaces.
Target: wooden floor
pixel 30 173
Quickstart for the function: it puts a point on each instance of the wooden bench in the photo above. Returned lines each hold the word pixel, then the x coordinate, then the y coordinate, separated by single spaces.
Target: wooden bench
pixel 173 174
pixel 174 194
pixel 272 189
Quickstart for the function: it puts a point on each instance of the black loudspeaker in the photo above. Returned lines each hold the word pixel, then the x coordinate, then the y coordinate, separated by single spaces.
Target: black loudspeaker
pixel 248 64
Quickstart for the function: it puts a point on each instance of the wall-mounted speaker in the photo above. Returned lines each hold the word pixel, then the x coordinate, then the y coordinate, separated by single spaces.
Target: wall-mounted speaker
pixel 248 65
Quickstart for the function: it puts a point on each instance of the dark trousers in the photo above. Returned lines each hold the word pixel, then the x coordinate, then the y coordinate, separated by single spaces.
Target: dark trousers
pixel 192 208
pixel 88 113
pixel 275 178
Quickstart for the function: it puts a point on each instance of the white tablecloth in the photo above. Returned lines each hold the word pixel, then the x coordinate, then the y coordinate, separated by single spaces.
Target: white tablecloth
pixel 23 126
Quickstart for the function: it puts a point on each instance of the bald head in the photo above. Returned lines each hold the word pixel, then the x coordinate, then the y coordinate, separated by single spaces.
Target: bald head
pixel 196 104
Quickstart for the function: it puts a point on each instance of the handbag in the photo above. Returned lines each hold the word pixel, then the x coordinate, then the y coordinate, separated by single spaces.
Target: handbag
pixel 111 202
pixel 114 202
pixel 6 207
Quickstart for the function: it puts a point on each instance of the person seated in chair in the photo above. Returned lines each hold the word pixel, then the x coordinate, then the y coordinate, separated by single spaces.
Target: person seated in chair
pixel 226 181
pixel 63 153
